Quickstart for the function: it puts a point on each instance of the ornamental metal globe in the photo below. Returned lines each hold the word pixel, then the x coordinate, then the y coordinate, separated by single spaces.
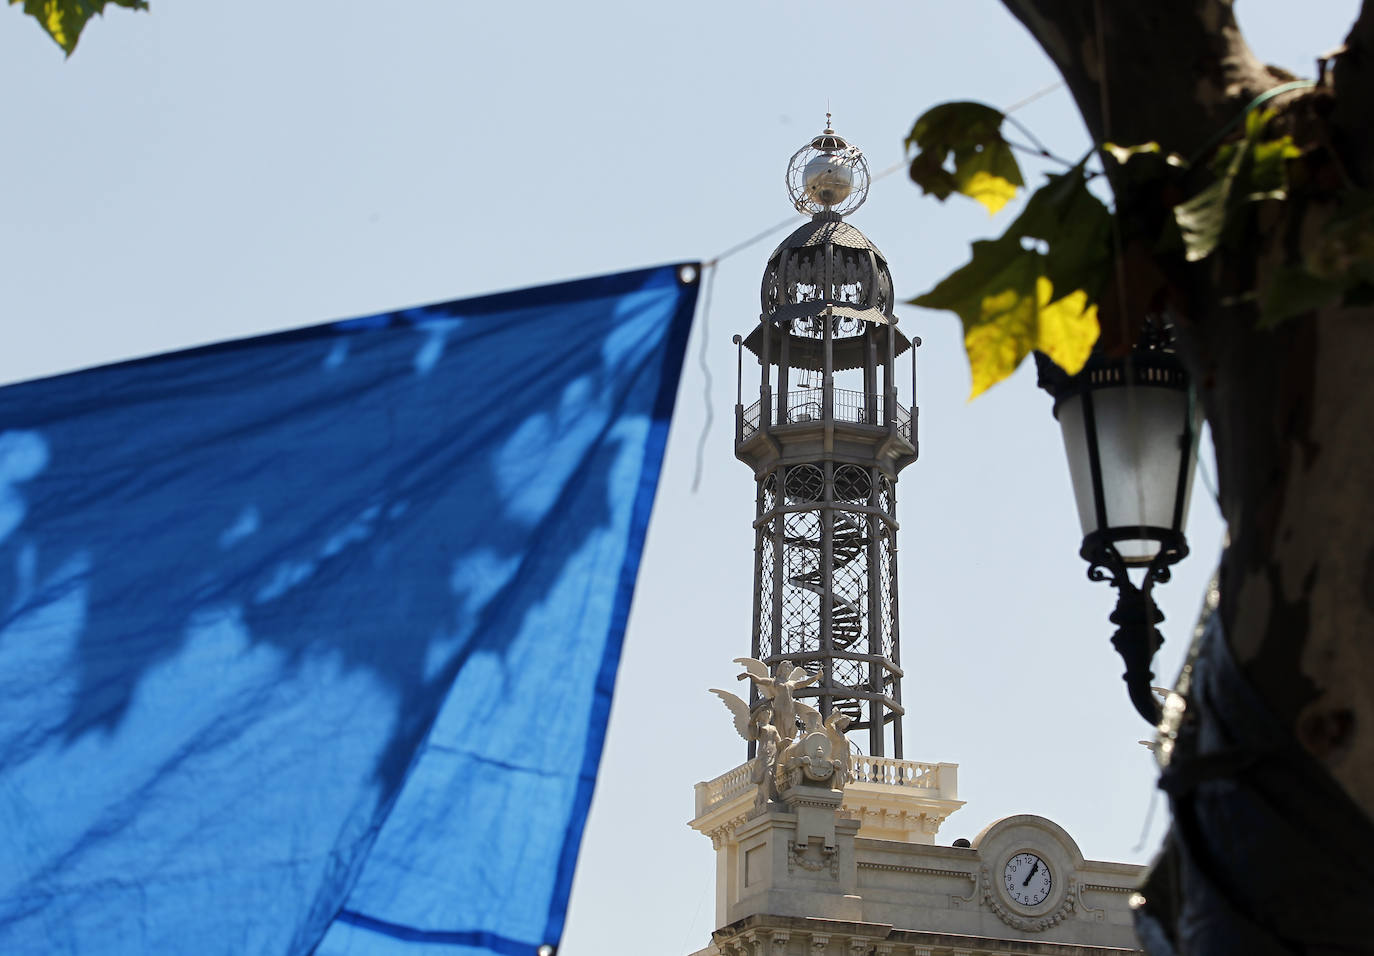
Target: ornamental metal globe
pixel 828 175
pixel 827 180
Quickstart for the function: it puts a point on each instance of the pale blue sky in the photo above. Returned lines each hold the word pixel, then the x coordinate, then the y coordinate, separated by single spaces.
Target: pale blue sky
pixel 211 171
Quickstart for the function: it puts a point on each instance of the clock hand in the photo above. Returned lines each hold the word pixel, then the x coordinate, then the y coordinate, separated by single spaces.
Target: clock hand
pixel 1026 881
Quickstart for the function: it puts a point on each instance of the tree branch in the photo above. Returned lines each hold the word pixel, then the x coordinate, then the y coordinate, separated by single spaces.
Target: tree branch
pixel 1171 71
pixel 1289 407
pixel 1353 82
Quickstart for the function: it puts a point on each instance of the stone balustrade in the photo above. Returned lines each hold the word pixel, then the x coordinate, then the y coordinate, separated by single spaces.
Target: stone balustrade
pixel 896 773
pixel 725 787
pixel 937 779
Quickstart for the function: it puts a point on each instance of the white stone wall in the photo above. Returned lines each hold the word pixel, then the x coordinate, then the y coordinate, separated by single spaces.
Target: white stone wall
pixel 803 877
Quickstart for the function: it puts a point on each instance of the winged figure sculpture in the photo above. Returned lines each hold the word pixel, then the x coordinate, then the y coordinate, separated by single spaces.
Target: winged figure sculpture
pixel 745 721
pixel 779 690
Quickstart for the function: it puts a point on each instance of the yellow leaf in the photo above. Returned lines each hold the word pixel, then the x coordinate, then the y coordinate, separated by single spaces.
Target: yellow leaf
pixel 991 190
pixel 1000 339
pixel 1012 322
pixel 65 19
pixel 1124 154
pixel 1067 329
pixel 984 166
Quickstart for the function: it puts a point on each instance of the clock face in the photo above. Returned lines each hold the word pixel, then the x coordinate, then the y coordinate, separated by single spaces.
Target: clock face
pixel 1027 879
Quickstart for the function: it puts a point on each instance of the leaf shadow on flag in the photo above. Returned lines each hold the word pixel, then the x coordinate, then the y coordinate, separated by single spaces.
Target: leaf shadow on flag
pixel 238 583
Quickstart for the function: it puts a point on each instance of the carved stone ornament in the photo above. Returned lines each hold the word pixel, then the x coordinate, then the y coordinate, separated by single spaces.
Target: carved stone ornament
pixel 824 857
pixel 1030 924
pixel 820 754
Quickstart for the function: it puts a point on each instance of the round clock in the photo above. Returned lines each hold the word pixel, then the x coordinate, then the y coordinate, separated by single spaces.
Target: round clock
pixel 1027 879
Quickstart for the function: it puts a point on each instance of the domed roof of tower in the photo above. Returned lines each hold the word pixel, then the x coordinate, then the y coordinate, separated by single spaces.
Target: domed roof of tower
pixel 827 263
pixel 822 229
pixel 826 281
pixel 826 267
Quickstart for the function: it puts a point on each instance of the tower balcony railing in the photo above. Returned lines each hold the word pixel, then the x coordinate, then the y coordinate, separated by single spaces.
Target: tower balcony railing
pixel 896 773
pixel 807 405
pixel 937 780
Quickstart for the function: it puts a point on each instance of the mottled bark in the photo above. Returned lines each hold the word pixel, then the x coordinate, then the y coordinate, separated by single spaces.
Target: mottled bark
pixel 1353 84
pixel 1174 71
pixel 1290 408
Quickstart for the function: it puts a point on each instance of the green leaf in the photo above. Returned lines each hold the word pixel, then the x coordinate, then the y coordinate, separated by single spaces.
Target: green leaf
pixel 1202 218
pixel 1345 246
pixel 953 125
pixel 996 265
pixel 1077 228
pixel 1292 290
pixel 65 19
pixel 1337 266
pixel 1251 170
pixel 1269 169
pixel 984 167
pixel 1141 167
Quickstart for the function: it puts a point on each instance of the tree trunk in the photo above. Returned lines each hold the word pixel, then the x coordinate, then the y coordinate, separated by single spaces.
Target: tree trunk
pixel 1290 408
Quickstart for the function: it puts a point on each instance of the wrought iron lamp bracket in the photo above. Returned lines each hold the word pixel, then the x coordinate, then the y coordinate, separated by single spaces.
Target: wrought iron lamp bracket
pixel 1137 639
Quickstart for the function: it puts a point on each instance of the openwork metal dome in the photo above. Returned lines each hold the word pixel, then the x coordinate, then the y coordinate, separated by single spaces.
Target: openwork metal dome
pixel 826 266
pixel 827 263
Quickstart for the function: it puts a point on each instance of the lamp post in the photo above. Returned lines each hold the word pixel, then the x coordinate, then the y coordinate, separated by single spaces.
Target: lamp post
pixel 1130 427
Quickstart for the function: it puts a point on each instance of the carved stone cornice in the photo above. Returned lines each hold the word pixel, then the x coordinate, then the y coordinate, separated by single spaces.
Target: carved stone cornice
pixel 1106 888
pixel 930 871
pixel 822 799
pixel 722 830
pixel 1098 913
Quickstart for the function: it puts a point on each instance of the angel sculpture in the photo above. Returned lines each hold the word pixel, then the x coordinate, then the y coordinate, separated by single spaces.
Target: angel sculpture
pixel 779 690
pixel 757 725
pixel 791 754
pixel 747 722
pixel 765 771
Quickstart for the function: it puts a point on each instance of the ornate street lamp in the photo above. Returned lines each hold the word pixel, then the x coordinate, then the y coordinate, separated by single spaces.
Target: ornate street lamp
pixel 1130 428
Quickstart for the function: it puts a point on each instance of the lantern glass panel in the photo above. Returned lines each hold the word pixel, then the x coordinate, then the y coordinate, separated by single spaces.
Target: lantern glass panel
pixel 1142 436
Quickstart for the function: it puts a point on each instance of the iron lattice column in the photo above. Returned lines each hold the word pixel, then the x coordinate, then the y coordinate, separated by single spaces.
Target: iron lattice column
pixel 826 441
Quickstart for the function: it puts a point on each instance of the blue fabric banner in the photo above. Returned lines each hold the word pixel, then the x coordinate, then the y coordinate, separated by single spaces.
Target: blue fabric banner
pixel 307 641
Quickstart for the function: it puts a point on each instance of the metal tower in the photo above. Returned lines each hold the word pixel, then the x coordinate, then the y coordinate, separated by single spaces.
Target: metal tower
pixel 826 440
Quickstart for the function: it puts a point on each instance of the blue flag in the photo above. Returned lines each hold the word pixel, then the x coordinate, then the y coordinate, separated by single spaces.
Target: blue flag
pixel 307 641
